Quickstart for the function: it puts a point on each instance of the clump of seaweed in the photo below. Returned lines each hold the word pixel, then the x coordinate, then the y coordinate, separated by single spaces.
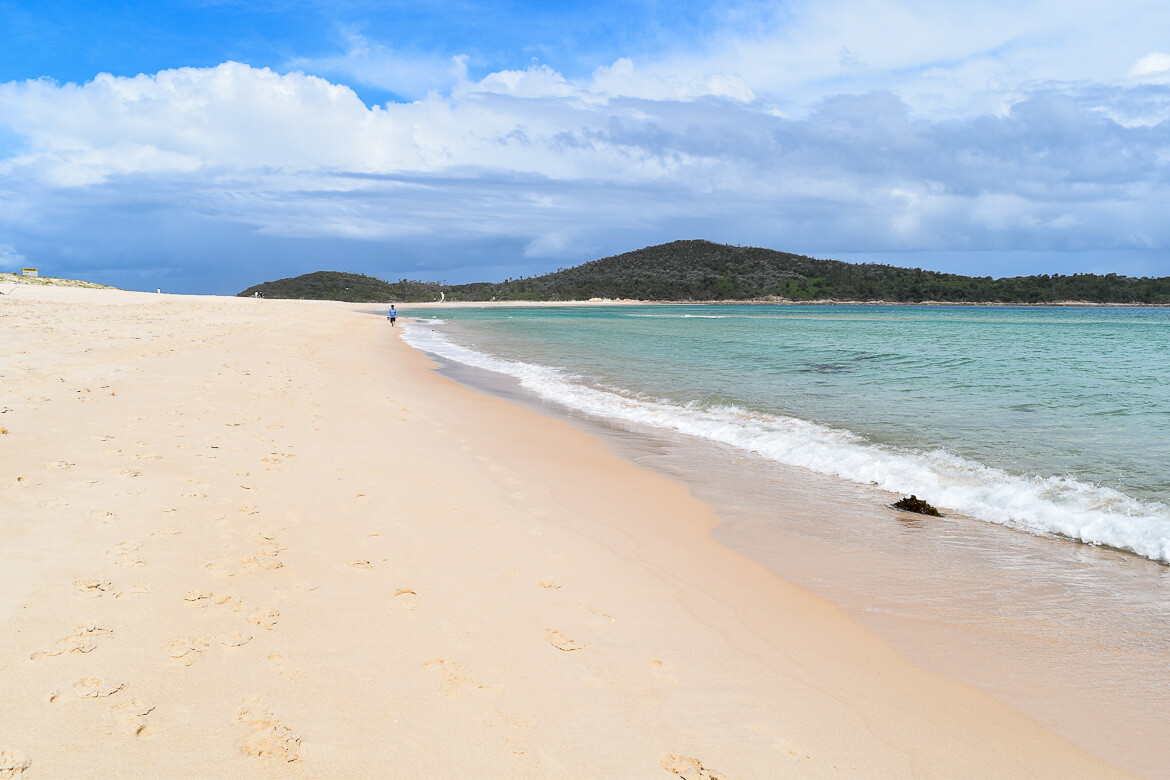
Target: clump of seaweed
pixel 916 504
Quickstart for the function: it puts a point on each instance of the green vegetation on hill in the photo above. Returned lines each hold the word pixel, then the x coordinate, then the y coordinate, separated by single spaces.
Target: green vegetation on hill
pixel 340 286
pixel 704 271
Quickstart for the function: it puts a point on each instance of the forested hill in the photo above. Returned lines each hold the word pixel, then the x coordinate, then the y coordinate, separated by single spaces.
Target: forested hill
pixel 702 270
pixel 705 271
pixel 341 286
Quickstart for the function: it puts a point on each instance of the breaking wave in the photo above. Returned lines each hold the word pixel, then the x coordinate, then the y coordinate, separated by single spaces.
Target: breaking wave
pixel 1037 504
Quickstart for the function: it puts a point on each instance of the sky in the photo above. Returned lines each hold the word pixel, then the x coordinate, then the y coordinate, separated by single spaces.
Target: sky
pixel 203 146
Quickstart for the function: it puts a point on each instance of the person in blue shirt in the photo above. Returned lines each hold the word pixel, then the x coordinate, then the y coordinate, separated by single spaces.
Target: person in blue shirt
pixel 393 314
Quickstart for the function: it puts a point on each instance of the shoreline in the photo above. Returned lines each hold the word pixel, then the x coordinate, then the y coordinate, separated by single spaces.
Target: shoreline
pixel 17 280
pixel 1048 639
pixel 785 302
pixel 331 561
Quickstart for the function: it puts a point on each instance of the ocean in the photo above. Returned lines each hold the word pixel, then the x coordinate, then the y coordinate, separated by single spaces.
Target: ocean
pixel 1052 421
pixel 1043 434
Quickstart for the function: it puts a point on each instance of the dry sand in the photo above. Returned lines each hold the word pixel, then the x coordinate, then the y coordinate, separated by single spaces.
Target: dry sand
pixel 243 537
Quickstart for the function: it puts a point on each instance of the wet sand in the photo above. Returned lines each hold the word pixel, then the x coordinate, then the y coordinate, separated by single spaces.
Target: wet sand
pixel 245 537
pixel 1075 636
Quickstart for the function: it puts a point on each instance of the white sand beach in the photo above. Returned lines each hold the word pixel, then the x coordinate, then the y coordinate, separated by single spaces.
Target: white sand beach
pixel 245 537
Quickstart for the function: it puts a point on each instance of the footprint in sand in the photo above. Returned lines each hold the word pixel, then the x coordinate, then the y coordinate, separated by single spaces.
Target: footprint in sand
pixel 233 639
pixel 265 617
pixel 95 688
pixel 689 768
pixel 82 640
pixel 282 667
pixel 92 588
pixel 13 764
pixel 128 559
pixel 262 562
pixel 207 599
pixel 221 568
pixel 267 737
pixel 452 679
pixel 186 648
pixel 562 642
pixel 132 716
pixel 405 599
pixel 601 613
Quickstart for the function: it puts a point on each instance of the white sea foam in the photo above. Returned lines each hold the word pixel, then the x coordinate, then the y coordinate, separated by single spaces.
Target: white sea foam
pixel 682 316
pixel 1037 504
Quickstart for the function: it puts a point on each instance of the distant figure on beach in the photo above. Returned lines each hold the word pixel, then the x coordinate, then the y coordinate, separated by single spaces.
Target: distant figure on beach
pixel 393 314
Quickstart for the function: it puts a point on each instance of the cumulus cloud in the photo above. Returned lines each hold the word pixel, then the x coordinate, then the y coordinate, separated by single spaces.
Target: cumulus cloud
pixel 539 81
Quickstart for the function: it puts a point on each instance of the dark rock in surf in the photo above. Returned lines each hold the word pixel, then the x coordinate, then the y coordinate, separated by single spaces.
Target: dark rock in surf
pixel 915 504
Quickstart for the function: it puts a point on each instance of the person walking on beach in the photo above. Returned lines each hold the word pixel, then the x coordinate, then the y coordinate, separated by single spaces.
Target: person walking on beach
pixel 393 315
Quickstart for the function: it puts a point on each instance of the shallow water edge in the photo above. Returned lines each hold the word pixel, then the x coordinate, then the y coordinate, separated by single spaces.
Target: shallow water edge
pixel 1075 636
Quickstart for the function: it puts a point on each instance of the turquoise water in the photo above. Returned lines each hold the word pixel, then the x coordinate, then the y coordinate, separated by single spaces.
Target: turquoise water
pixel 1050 420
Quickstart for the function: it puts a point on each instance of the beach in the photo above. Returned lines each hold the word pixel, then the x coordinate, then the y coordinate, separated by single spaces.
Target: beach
pixel 245 536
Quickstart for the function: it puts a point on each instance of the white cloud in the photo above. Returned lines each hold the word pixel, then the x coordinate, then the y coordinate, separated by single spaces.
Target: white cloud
pixel 538 81
pixel 622 79
pixel 943 59
pixel 231 115
pixel 852 126
pixel 1152 68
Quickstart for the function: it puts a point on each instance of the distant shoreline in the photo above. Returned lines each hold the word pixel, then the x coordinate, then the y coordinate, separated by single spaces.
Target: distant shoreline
pixel 11 278
pixel 785 302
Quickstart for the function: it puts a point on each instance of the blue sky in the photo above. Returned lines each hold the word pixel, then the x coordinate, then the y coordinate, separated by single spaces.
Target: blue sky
pixel 207 145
